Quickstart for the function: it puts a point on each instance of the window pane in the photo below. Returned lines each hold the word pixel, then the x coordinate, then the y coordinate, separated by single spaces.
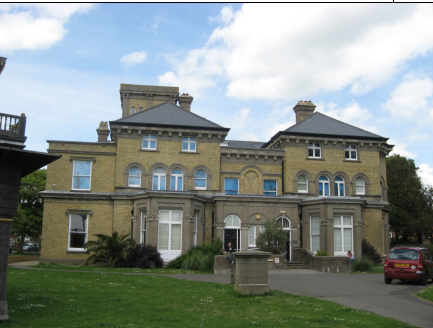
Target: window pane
pixel 185 146
pixel 153 137
pixel 78 222
pixel 172 183
pixel 145 144
pixel 310 153
pixel 302 187
pixel 317 152
pixel 164 216
pixel 353 154
pixel 200 174
pixel 315 243
pixel 229 221
pixel 175 237
pixel 341 189
pixel 82 167
pixel 192 146
pixel 159 170
pixel 337 240
pixel 152 144
pixel 179 183
pixel 270 185
pixel 252 236
pixel 176 171
pixel 163 236
pixel 132 181
pixel 347 220
pixel 347 239
pixel 200 183
pixel 346 154
pixel 302 179
pixel 176 216
pixel 135 171
pixel 337 220
pixel 286 223
pixel 231 185
pixel 81 183
pixel 155 182
pixel 77 240
pixel 326 189
pixel 315 225
pixel 162 183
pixel 320 189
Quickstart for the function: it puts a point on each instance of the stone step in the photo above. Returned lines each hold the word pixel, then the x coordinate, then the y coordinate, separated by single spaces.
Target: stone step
pixel 296 265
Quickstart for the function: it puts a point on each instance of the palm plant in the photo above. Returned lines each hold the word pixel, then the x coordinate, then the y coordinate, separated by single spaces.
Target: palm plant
pixel 109 249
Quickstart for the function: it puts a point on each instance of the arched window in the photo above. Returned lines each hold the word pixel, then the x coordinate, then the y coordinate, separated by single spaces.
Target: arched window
pixel 200 179
pixel 159 179
pixel 302 184
pixel 283 222
pixel 323 186
pixel 132 110
pixel 232 221
pixel 134 179
pixel 141 109
pixel 339 186
pixel 360 186
pixel 176 180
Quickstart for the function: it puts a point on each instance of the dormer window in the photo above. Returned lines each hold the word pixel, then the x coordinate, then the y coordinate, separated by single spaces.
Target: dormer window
pixel 189 144
pixel 314 150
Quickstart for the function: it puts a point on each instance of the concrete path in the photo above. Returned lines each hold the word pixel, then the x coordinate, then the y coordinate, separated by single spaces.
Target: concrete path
pixel 360 291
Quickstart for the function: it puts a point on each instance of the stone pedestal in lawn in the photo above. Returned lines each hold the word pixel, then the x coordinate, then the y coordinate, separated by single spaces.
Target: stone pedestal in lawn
pixel 251 277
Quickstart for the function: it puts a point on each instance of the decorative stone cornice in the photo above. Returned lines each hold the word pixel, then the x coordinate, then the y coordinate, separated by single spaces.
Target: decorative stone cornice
pixel 151 217
pixel 219 226
pixel 188 219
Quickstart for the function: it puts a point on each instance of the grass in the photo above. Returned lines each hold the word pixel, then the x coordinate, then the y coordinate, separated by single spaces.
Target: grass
pixel 426 294
pixel 24 253
pixel 108 269
pixel 72 299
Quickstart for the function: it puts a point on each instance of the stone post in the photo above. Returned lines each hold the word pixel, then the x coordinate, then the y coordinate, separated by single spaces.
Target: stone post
pixel 251 276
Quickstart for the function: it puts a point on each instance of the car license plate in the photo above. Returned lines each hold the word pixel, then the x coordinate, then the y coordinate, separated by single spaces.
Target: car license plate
pixel 404 265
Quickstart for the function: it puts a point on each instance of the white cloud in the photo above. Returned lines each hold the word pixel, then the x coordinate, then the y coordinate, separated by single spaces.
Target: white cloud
pixel 226 16
pixel 134 58
pixel 401 149
pixel 35 26
pixel 409 99
pixel 305 49
pixel 426 174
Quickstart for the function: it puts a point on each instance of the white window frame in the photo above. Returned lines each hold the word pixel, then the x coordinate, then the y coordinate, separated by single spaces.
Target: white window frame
pixel 149 139
pixel 81 175
pixel 77 249
pixel 194 231
pixel 234 217
pixel 357 185
pixel 176 177
pixel 134 176
pixel 200 179
pixel 306 184
pixel 349 152
pixel 342 227
pixel 314 147
pixel 323 183
pixel 170 254
pixel 338 184
pixel 143 228
pixel 159 175
pixel 237 191
pixel 270 191
pixel 189 142
pixel 252 236
pixel 315 234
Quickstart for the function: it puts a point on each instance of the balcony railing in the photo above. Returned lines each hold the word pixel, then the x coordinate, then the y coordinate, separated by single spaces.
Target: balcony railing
pixel 12 127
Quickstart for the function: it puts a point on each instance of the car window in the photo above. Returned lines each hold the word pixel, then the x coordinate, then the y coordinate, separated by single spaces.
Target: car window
pixel 403 254
pixel 27 244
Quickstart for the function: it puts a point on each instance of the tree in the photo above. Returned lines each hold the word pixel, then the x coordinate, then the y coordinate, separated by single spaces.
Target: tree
pixel 405 194
pixel 273 238
pixel 427 218
pixel 111 250
pixel 28 219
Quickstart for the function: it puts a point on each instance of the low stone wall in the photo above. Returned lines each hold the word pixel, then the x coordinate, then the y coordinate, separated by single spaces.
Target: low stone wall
pixel 331 264
pixel 223 266
pixel 22 258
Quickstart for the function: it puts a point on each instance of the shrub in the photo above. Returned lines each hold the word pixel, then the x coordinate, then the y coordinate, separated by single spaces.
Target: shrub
pixel 177 262
pixel 361 265
pixel 213 248
pixel 322 253
pixel 273 237
pixel 141 256
pixel 370 253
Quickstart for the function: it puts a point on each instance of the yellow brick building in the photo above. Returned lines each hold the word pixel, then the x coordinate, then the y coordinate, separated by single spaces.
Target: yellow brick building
pixel 171 179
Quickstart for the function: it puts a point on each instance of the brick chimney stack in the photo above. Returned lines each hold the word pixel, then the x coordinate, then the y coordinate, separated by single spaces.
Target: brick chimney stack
pixel 185 101
pixel 103 132
pixel 303 109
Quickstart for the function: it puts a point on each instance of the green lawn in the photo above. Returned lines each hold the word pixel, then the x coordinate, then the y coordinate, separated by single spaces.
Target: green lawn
pixel 108 269
pixel 88 299
pixel 426 294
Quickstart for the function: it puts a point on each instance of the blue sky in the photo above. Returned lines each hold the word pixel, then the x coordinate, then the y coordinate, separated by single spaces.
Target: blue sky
pixel 370 65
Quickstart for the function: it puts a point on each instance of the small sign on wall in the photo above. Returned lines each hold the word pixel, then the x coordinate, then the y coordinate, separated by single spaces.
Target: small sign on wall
pixel 277 260
pixel 295 241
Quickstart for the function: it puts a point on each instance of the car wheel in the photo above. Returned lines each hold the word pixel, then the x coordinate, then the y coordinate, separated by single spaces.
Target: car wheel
pixel 388 281
pixel 423 281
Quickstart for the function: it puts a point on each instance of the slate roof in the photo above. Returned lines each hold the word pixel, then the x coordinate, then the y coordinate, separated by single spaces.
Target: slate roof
pixel 244 144
pixel 320 125
pixel 167 114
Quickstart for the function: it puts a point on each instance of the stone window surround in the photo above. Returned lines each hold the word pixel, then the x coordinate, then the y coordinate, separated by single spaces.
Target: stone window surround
pixel 331 177
pixel 68 212
pixel 208 177
pixel 314 148
pixel 149 140
pixel 126 175
pixel 366 184
pixel 310 182
pixel 92 161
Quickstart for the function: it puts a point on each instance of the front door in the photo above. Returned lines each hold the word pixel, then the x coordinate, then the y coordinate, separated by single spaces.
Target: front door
pixel 233 236
pixel 288 246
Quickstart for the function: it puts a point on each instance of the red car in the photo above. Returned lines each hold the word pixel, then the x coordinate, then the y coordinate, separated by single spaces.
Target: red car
pixel 409 263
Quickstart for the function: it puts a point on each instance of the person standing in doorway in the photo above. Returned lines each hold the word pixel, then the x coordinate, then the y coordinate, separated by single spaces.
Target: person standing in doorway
pixel 230 251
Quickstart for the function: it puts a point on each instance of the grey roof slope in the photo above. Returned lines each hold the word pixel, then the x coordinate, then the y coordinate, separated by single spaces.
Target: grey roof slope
pixel 320 124
pixel 244 144
pixel 167 114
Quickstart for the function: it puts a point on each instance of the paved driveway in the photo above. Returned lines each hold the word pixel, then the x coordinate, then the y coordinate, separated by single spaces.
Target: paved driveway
pixel 360 291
